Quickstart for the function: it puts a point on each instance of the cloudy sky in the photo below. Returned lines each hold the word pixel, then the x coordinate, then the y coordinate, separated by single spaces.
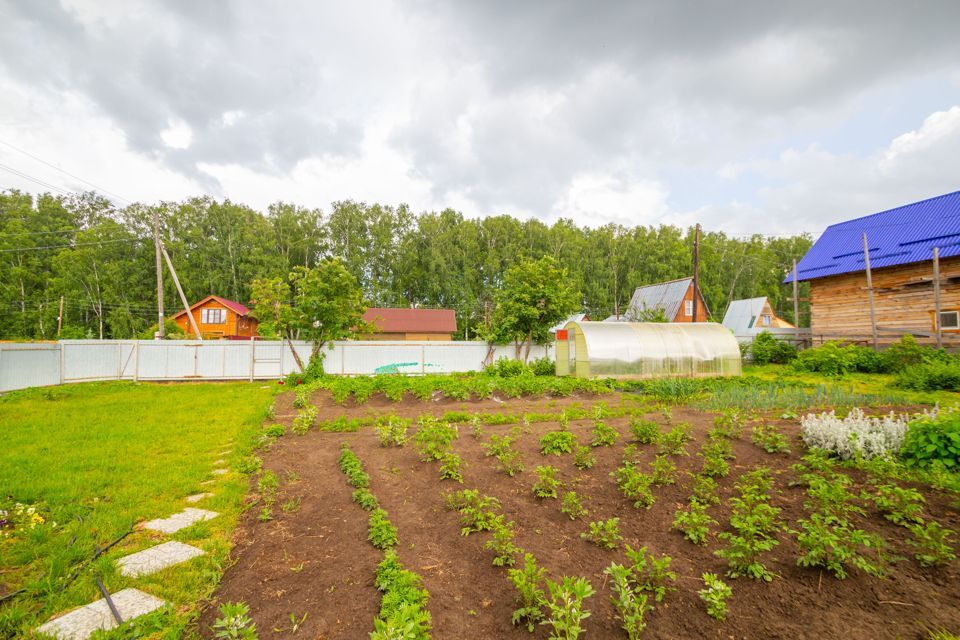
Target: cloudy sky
pixel 746 116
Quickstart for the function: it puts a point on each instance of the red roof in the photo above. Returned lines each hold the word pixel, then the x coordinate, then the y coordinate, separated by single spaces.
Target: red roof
pixel 412 320
pixel 236 307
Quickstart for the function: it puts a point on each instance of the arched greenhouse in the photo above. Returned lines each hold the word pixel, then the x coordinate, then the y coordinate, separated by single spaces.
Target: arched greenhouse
pixel 646 350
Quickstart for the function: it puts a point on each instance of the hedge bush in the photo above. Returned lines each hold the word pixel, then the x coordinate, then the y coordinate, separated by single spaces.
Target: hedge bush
pixel 767 349
pixel 933 439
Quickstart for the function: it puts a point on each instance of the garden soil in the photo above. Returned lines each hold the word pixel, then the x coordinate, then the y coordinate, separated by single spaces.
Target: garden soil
pixel 317 561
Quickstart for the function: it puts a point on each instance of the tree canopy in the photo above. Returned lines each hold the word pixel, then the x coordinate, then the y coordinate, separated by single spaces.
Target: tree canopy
pixel 100 259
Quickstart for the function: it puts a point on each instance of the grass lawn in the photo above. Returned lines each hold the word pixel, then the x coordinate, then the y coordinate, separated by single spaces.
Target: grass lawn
pixel 98 458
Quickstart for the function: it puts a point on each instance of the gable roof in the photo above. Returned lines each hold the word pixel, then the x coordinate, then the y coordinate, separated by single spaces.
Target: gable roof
pixel 388 320
pixel 236 307
pixel 664 295
pixel 742 314
pixel 577 317
pixel 897 236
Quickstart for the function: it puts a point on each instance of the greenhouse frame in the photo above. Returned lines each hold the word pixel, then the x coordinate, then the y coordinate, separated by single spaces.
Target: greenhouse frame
pixel 646 350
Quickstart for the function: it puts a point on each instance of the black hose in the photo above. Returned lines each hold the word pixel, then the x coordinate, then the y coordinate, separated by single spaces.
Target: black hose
pixel 106 596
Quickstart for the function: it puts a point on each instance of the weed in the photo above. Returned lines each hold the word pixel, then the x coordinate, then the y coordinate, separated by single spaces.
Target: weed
pixel 450 467
pixel 511 462
pixel 275 430
pixel 715 594
pixel 265 515
pixel 547 484
pixel 932 544
pixel 234 622
pixel 250 465
pixel 565 607
pixel 768 438
pixel 267 485
pixel 381 532
pixel 644 431
pixel 530 597
pixel 292 505
pixel 694 522
pixel 604 533
pixel 571 505
pixel 557 443
pixel 583 458
pixel 476 428
pixel 664 471
pixel 603 435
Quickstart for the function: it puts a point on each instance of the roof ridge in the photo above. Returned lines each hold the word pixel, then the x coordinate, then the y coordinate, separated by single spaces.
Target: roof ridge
pixel 644 286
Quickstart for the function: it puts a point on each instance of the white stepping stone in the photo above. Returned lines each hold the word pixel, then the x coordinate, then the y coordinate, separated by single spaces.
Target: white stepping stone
pixel 180 520
pixel 218 472
pixel 80 623
pixel 197 497
pixel 219 462
pixel 156 558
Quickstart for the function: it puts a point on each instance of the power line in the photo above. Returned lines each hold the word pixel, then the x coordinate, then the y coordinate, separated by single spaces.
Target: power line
pixel 35 180
pixel 40 233
pixel 72 246
pixel 65 172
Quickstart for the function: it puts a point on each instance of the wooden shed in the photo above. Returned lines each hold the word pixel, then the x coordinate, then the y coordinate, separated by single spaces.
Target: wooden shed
pixel 218 317
pixel 900 246
pixel 674 298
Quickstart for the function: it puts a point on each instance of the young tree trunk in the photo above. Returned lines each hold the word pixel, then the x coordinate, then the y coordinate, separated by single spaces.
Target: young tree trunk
pixel 296 356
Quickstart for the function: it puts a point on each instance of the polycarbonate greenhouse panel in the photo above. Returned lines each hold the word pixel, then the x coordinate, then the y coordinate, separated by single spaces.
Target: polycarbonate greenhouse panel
pixel 651 349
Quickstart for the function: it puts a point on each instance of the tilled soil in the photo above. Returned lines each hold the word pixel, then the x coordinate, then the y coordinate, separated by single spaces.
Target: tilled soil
pixel 316 560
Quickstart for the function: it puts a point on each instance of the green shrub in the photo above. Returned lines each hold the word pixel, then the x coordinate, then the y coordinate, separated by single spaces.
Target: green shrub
pixel 644 431
pixel 766 349
pixel 381 532
pixel 530 597
pixel 603 435
pixel 604 533
pixel 565 607
pixel 583 458
pixel 930 376
pixel 572 506
pixel 506 368
pixel 543 367
pixel 932 544
pixel 933 439
pixel 547 483
pixel 693 522
pixel 557 443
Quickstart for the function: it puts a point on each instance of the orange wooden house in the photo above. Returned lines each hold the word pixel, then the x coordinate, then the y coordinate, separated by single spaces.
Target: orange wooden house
pixel 219 318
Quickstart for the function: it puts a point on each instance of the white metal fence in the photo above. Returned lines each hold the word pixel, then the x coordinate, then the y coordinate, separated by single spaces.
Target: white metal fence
pixel 24 364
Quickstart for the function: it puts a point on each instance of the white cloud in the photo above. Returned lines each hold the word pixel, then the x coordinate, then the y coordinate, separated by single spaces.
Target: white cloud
pixel 177 135
pixel 597 199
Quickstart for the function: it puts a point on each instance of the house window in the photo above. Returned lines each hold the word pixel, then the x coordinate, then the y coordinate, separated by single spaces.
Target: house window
pixel 213 316
pixel 950 319
pixel 688 307
pixel 767 320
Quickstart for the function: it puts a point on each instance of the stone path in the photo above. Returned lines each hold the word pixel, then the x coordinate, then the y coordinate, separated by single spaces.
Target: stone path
pixel 197 497
pixel 157 558
pixel 218 472
pixel 180 520
pixel 80 623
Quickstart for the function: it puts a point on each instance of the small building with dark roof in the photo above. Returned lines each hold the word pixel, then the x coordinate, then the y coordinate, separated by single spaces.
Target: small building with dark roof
pixel 218 317
pixel 410 324
pixel 673 298
pixel 900 243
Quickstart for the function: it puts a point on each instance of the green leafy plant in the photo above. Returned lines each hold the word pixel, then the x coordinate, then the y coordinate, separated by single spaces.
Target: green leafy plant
pixel 694 522
pixel 392 432
pixel 831 542
pixel 663 471
pixel 629 601
pixel 650 573
pixel 267 485
pixel 234 622
pixel 275 430
pixel 729 424
pixel 547 484
pixel 634 485
pixel 603 435
pixel 557 443
pixel 715 595
pixel 898 505
pixel 403 608
pixel 644 431
pixel 768 438
pixel 304 420
pixel 366 500
pixel 572 506
pixel 380 531
pixel 931 439
pixel 565 607
pixel 714 465
pixel 583 458
pixel 434 438
pixel 704 490
pixel 351 467
pixel 531 599
pixel 604 533
pixel 932 544
pixel 755 523
pixel 477 513
pixel 673 442
pixel 451 467
pixel 502 542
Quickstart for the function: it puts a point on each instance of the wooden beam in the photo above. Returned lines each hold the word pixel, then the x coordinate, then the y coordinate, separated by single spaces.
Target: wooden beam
pixel 796 295
pixel 936 296
pixel 873 309
pixel 183 298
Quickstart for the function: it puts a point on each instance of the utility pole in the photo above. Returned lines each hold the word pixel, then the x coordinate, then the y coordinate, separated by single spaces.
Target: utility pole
pixel 60 317
pixel 796 296
pixel 161 332
pixel 183 298
pixel 873 309
pixel 696 271
pixel 936 296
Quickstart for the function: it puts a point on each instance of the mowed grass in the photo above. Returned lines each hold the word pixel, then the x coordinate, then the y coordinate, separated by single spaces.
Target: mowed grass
pixel 97 459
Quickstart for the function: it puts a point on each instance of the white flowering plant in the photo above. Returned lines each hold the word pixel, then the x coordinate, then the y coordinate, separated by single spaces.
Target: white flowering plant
pixel 857 434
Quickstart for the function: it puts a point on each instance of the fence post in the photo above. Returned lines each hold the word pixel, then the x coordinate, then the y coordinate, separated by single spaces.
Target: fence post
pixel 423 359
pixel 136 360
pixel 61 345
pixel 252 356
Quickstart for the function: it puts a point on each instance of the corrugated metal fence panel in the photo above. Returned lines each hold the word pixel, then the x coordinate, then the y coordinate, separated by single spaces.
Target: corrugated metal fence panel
pixel 39 364
pixel 29 365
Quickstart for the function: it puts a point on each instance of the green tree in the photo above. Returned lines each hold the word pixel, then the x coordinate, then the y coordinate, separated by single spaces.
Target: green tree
pixel 535 296
pixel 317 304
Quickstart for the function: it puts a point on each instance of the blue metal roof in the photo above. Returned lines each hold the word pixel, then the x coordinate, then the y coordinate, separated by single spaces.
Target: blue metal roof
pixel 897 236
